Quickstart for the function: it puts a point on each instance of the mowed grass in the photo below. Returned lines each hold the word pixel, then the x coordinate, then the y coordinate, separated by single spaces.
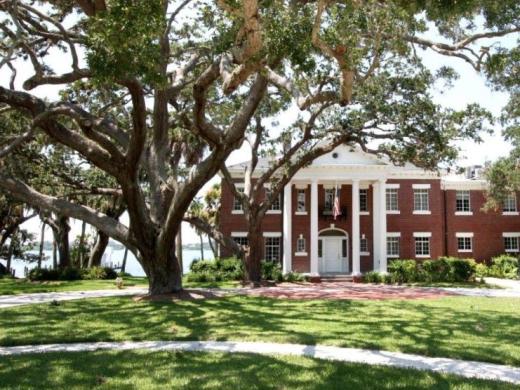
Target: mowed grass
pixel 191 370
pixel 482 329
pixel 10 286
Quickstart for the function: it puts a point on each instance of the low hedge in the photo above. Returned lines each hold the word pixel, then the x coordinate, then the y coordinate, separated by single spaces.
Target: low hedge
pixel 444 269
pixel 503 266
pixel 71 273
pixel 232 269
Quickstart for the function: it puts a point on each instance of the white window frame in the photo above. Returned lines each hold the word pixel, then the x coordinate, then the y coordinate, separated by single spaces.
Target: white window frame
pixel 514 235
pixel 506 210
pixel 237 207
pixel 420 190
pixel 328 192
pixel 267 237
pixel 393 236
pixel 421 236
pixel 363 192
pixel 465 196
pixel 239 236
pixel 392 189
pixel 299 250
pixel 362 252
pixel 465 237
pixel 273 209
pixel 301 191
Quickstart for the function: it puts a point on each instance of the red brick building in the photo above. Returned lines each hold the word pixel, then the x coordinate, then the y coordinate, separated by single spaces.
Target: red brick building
pixel 382 212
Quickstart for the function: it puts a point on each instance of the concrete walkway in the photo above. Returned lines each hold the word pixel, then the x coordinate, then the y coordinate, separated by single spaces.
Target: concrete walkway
pixel 28 299
pixel 467 369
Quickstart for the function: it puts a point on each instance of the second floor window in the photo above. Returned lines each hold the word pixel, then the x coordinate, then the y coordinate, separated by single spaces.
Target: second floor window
pixel 329 199
pixel 301 200
pixel 510 204
pixel 392 203
pixel 421 200
pixel 363 200
pixel 276 203
pixel 463 201
pixel 237 204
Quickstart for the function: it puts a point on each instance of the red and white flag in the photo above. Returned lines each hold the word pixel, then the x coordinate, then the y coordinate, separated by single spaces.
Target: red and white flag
pixel 336 210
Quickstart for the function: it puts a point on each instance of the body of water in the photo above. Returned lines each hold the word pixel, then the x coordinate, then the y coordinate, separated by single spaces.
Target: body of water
pixel 112 258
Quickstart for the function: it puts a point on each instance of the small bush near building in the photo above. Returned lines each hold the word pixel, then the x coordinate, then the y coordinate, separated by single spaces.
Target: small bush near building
pixel 444 269
pixel 504 266
pixel 292 277
pixel 373 277
pixel 272 271
pixel 216 270
pixel 403 271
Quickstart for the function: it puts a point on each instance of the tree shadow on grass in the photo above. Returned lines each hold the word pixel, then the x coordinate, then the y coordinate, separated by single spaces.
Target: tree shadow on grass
pixel 195 370
pixel 465 328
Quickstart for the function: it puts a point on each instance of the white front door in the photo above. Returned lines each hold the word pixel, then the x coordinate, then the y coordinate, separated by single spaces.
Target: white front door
pixel 332 260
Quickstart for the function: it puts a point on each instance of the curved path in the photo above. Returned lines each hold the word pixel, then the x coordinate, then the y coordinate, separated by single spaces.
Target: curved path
pixel 467 369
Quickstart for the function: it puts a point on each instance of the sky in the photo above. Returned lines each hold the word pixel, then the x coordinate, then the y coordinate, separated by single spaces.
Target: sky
pixel 469 88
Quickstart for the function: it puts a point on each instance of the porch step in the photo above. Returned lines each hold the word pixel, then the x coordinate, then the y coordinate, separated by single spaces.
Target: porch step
pixel 337 278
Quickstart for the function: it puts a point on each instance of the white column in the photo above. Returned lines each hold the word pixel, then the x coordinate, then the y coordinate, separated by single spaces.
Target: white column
pixel 287 229
pixel 314 227
pixel 356 268
pixel 382 225
pixel 376 220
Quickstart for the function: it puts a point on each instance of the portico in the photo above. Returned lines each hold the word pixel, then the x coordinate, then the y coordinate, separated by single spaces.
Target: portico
pixel 335 244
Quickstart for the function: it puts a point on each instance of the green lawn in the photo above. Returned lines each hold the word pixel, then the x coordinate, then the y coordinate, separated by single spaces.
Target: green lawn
pixel 190 370
pixel 483 329
pixel 9 286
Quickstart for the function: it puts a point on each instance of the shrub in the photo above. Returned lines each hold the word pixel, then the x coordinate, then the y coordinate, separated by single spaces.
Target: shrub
pixel 292 277
pixel 373 277
pixel 271 271
pixel 436 270
pixel 97 273
pixel 216 270
pixel 403 271
pixel 504 266
pixel 462 270
pixel 43 274
pixel 482 270
pixel 70 273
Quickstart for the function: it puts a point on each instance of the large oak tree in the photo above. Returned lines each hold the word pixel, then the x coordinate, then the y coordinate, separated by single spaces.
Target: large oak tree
pixel 189 77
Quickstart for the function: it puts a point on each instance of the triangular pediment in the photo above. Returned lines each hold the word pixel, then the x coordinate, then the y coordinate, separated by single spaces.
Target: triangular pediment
pixel 348 155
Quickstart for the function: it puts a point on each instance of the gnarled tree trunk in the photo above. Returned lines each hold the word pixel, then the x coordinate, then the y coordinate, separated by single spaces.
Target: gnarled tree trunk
pixel 163 271
pixel 98 250
pixel 61 234
pixel 253 256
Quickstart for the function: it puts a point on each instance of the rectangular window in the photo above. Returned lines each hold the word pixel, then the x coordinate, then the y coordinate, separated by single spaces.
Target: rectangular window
pixel 272 248
pixel 422 246
pixel 329 200
pixel 363 200
pixel 320 248
pixel 510 204
pixel 392 247
pixel 363 245
pixel 464 244
pixel 300 244
pixel 301 201
pixel 511 244
pixel 276 204
pixel 392 203
pixel 344 248
pixel 421 199
pixel 241 241
pixel 237 204
pixel 463 201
